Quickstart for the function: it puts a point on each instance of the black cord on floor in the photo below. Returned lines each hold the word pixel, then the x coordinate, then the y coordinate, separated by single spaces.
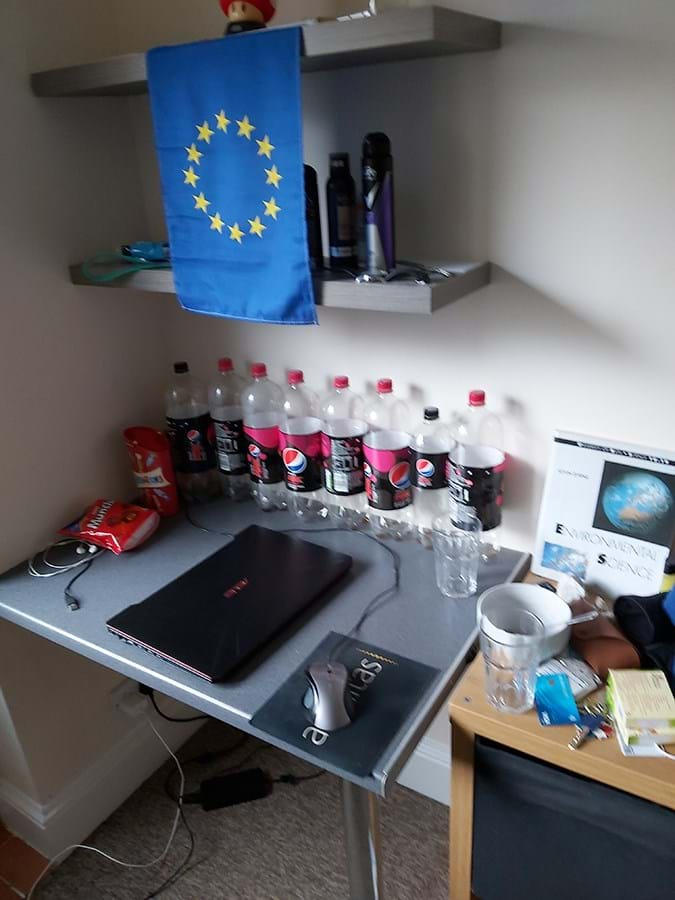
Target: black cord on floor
pixel 184 867
pixel 151 694
pixel 295 780
pixel 208 757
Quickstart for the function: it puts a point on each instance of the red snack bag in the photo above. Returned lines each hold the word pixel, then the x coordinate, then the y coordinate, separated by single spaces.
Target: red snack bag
pixel 113 525
pixel 150 455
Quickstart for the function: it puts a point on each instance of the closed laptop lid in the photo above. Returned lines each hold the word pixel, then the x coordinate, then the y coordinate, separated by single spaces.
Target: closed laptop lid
pixel 224 609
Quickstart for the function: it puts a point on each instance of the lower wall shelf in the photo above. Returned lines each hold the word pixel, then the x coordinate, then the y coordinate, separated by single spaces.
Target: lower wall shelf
pixel 339 292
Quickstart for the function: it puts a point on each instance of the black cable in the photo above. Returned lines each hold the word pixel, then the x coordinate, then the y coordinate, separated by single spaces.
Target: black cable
pixel 184 867
pixel 295 780
pixel 207 757
pixel 199 527
pixel 151 694
pixel 372 606
pixel 71 601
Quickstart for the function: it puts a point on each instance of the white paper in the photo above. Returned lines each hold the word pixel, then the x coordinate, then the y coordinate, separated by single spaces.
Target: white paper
pixel 607 515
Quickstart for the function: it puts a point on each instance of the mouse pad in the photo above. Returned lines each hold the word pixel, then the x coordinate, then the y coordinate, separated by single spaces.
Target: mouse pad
pixel 386 687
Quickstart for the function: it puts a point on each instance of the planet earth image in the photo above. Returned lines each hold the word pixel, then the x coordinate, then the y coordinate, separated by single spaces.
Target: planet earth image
pixel 637 503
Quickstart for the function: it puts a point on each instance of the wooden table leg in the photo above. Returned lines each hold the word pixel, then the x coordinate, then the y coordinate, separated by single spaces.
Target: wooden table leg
pixel 461 813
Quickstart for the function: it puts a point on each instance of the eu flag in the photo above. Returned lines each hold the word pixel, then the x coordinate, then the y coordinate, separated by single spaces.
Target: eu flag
pixel 228 132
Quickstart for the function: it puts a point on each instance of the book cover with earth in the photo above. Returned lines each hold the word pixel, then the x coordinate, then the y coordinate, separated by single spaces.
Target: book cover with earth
pixel 607 515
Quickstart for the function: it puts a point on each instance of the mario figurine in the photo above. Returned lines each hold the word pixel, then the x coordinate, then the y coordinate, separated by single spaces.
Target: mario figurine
pixel 247 16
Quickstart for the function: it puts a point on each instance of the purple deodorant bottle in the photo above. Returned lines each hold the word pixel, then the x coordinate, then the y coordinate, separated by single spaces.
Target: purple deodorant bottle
pixel 378 200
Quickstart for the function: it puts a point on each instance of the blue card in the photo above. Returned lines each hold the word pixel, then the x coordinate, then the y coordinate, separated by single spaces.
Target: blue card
pixel 555 701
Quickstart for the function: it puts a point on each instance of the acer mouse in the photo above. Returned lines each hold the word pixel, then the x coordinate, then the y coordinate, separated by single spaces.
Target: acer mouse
pixel 328 702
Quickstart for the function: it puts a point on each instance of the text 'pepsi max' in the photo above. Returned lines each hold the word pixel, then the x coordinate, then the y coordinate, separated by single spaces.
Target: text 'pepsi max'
pixel 228 423
pixel 387 462
pixel 192 436
pixel 300 445
pixel 343 430
pixel 262 404
pixel 429 457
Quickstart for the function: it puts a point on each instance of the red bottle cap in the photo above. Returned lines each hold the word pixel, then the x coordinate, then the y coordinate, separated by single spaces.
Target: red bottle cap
pixel 341 382
pixel 385 386
pixel 259 370
pixel 296 376
pixel 225 365
pixel 477 398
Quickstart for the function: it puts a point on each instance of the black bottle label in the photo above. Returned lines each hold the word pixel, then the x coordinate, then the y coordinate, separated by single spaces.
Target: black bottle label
pixel 193 444
pixel 428 470
pixel 231 446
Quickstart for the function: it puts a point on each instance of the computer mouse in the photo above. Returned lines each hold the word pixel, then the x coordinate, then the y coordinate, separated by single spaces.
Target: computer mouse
pixel 328 701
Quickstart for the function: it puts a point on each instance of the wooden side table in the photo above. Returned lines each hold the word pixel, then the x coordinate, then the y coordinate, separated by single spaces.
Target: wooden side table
pixel 472 716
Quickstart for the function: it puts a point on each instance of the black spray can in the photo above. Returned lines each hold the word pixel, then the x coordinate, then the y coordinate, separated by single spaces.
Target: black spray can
pixel 313 215
pixel 341 202
pixel 378 200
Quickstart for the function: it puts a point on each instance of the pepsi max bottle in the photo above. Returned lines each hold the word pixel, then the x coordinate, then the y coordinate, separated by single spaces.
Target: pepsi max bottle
pixel 192 437
pixel 386 451
pixel 300 446
pixel 343 430
pixel 429 459
pixel 262 403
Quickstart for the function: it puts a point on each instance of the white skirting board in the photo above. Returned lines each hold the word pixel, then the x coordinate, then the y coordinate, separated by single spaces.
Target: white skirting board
pixel 72 815
pixel 428 770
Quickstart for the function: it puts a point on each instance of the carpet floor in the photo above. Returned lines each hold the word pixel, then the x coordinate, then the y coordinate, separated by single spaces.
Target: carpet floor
pixel 288 846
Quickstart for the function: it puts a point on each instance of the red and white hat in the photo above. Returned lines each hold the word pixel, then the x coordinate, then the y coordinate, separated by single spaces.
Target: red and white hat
pixel 266 7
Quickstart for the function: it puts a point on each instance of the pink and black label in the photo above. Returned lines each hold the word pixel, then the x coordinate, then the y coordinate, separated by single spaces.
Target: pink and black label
pixel 302 459
pixel 262 455
pixel 192 444
pixel 343 464
pixel 230 446
pixel 477 480
pixel 428 470
pixel 387 474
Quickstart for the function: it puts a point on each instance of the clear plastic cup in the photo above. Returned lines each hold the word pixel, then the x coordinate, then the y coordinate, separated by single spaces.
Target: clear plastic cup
pixel 456 546
pixel 510 641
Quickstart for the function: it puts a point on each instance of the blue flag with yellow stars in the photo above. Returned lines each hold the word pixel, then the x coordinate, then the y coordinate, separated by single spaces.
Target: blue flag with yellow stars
pixel 228 131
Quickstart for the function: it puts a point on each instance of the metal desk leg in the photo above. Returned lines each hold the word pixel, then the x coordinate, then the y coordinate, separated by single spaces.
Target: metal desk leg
pixel 362 838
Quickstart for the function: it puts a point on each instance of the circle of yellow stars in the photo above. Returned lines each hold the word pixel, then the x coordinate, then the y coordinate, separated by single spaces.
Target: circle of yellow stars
pixel 266 148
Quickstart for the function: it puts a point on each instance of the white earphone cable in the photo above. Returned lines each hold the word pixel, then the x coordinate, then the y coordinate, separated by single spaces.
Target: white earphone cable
pixel 120 862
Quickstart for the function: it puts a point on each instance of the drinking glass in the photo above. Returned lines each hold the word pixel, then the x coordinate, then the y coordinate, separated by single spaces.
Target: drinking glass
pixel 456 555
pixel 510 640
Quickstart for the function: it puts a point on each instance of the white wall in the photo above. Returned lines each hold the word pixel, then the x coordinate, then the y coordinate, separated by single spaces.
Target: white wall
pixel 75 367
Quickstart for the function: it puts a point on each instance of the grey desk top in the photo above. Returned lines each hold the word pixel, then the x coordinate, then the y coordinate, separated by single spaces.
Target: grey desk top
pixel 418 622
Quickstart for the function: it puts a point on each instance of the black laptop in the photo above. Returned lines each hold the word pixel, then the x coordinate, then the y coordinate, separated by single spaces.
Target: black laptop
pixel 217 614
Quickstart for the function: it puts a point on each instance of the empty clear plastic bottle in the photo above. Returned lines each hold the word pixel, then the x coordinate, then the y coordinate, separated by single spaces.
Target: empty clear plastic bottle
pixel 478 465
pixel 191 435
pixel 430 452
pixel 343 430
pixel 387 463
pixel 385 411
pixel 262 403
pixel 300 444
pixel 226 413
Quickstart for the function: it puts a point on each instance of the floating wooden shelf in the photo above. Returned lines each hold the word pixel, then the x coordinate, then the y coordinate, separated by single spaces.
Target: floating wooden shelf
pixel 342 292
pixel 390 36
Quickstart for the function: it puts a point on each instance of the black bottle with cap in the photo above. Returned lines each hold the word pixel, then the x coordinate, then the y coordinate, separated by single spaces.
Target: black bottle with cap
pixel 313 215
pixel 341 203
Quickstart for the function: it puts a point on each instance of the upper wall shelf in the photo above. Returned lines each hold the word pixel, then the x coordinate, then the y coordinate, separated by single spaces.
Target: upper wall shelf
pixel 336 292
pixel 395 35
